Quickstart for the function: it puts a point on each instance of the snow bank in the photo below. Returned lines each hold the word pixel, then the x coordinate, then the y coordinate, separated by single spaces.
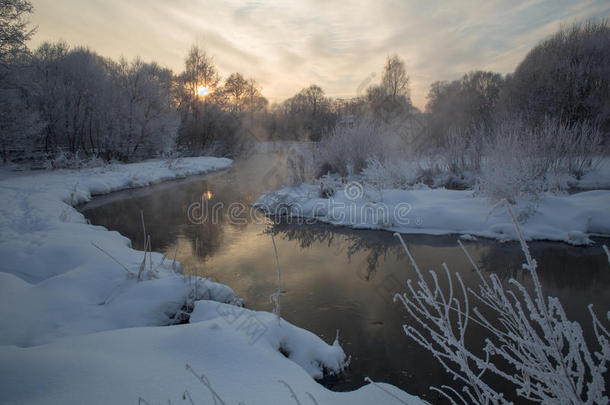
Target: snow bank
pixel 79 326
pixel 118 367
pixel 54 282
pixel 263 328
pixel 566 218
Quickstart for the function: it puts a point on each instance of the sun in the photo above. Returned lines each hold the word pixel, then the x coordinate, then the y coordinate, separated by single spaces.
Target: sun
pixel 202 91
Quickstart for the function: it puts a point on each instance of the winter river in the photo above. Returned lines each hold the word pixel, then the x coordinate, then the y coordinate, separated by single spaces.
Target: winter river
pixel 332 277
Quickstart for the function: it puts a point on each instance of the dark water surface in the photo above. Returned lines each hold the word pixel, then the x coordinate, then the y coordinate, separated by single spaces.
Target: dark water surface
pixel 333 277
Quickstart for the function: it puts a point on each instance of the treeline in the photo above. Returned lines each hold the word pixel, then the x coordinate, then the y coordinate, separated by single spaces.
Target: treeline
pixel 559 95
pixel 540 128
pixel 57 101
pixel 60 104
pixel 310 115
pixel 62 101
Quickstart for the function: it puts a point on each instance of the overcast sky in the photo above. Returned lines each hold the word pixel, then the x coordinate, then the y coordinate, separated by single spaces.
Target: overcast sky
pixel 339 45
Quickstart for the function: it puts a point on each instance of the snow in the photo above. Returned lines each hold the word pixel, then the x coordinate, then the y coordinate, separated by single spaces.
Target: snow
pixel 597 178
pixel 567 218
pixel 122 365
pixel 78 326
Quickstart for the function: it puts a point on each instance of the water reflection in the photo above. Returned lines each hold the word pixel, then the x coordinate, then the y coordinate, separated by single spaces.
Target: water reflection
pixel 334 277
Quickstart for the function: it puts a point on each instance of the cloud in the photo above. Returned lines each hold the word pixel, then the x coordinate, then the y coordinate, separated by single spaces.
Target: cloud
pixel 288 45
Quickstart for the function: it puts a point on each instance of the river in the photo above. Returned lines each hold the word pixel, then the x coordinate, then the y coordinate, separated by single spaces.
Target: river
pixel 333 278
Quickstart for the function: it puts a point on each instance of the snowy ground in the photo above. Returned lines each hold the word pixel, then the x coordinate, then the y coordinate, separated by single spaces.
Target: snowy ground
pixel 80 326
pixel 568 218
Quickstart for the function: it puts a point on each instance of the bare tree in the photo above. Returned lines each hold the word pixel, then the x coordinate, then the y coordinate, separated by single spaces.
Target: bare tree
pixel 314 96
pixel 236 88
pixel 199 71
pixel 395 79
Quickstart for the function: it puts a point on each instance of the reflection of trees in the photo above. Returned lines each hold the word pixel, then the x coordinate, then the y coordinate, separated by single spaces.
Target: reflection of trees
pixel 374 244
pixel 560 265
pixel 165 206
pixel 165 211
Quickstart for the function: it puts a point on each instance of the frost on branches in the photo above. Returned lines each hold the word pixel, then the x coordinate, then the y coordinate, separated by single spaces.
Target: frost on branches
pixel 531 343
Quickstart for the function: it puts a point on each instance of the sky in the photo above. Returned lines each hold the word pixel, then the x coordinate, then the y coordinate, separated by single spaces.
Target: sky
pixel 339 45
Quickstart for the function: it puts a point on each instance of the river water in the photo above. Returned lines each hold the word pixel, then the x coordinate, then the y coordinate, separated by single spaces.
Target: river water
pixel 333 278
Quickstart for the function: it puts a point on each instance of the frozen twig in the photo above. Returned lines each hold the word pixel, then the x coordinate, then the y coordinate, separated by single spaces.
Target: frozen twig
pixel 531 343
pixel 204 380
pixel 275 297
pixel 292 393
pixel 368 380
pixel 113 258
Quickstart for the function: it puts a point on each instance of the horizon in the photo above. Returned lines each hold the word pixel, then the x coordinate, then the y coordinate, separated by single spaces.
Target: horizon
pixel 287 47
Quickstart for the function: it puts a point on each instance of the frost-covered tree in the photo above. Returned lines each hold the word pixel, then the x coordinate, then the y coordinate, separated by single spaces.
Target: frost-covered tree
pixel 565 76
pixel 99 108
pixel 254 100
pixel 19 122
pixel 236 87
pixel 14 30
pixel 307 114
pixel 205 123
pixel 199 71
pixel 462 105
pixel 151 121
pixel 390 101
pixel 395 79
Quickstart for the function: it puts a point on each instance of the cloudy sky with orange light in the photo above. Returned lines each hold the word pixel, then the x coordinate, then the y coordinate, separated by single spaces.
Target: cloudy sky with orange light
pixel 339 45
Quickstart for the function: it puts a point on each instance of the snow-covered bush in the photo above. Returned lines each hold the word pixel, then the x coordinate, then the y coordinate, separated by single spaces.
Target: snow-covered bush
pixel 328 183
pixel 391 173
pixel 349 148
pixel 531 343
pixel 521 161
pixel 462 150
pixel 66 160
pixel 511 168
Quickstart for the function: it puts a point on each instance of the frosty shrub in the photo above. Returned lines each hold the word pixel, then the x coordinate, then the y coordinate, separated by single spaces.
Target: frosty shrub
pixel 510 168
pixel 462 151
pixel 348 149
pixel 392 173
pixel 531 343
pixel 299 164
pixel 521 161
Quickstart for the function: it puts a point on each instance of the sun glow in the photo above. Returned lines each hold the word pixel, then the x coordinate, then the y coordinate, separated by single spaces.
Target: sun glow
pixel 202 91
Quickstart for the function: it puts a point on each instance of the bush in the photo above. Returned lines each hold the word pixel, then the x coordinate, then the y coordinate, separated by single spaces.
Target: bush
pixel 349 149
pixel 522 161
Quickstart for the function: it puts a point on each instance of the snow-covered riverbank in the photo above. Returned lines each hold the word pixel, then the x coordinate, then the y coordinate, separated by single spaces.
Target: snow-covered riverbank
pixel 567 218
pixel 78 326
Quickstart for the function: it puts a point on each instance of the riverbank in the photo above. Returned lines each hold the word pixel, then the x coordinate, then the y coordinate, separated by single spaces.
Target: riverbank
pixel 82 317
pixel 570 218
